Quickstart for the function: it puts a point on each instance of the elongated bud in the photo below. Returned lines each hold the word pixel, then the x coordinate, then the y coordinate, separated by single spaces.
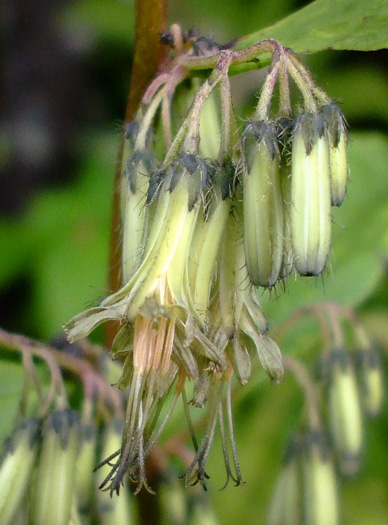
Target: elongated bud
pixel 138 170
pixel 345 412
pixel 227 278
pixel 215 227
pixel 263 204
pixel 178 269
pixel 288 254
pixel 310 195
pixel 336 130
pixel 320 493
pixel 286 502
pixel 55 486
pixel 284 126
pixel 181 201
pixel 112 510
pixel 372 377
pixel 17 463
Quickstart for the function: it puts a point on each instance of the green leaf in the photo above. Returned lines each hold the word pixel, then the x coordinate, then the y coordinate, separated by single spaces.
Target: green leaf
pixel 99 20
pixel 14 250
pixel 358 25
pixel 61 241
pixel 71 229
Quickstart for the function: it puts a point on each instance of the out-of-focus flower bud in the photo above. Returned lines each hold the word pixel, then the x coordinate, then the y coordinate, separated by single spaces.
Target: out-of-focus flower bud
pixel 320 492
pixel 17 462
pixel 372 377
pixel 286 503
pixel 345 412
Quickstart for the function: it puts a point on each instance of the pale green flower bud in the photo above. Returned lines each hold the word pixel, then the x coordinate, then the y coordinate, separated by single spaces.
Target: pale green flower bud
pixel 288 254
pixel 310 195
pixel 286 502
pixel 138 170
pixel 372 377
pixel 336 131
pixel 55 487
pixel 345 412
pixel 206 253
pixel 17 463
pixel 263 204
pixel 320 492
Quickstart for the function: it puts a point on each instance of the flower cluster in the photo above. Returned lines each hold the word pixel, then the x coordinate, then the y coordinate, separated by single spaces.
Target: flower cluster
pixel 46 473
pixel 47 465
pixel 209 214
pixel 332 440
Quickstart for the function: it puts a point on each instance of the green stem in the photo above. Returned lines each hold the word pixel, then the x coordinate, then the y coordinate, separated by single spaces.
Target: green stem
pixel 188 133
pixel 236 57
pixel 264 105
pixel 227 119
pixel 284 88
pixel 148 118
pixel 303 86
pixel 320 95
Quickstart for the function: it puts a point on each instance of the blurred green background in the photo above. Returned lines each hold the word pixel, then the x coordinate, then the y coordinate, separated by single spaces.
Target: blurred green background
pixel 65 76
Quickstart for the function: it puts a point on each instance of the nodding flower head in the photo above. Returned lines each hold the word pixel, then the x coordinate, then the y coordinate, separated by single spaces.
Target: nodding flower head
pixel 206 217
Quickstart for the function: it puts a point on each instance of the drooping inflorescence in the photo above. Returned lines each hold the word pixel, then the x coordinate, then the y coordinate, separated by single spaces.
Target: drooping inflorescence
pixel 331 439
pixel 212 213
pixel 209 214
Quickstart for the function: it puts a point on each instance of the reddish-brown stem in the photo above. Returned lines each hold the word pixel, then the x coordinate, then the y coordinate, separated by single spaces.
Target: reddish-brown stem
pixel 151 21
